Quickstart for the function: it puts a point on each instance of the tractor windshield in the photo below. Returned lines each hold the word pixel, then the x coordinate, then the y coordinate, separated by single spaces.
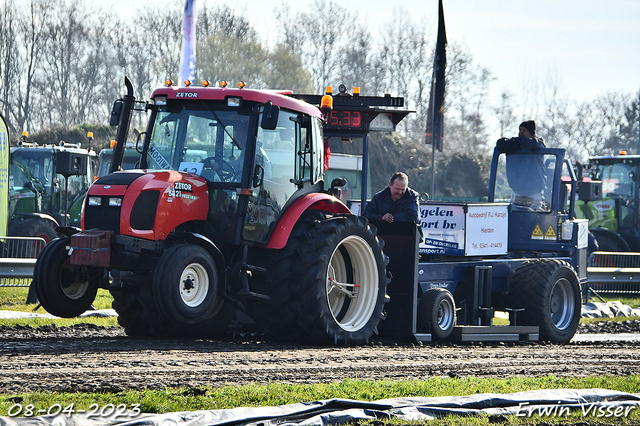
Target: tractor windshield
pixel 198 139
pixel 617 179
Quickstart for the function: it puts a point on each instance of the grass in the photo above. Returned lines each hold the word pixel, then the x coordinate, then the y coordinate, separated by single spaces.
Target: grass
pixel 274 394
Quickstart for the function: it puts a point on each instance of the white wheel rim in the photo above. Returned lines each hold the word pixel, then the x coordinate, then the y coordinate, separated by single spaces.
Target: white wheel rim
pixel 562 304
pixel 352 299
pixel 194 285
pixel 75 289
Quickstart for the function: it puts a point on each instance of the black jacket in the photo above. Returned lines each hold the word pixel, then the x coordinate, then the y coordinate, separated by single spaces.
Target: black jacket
pixel 404 210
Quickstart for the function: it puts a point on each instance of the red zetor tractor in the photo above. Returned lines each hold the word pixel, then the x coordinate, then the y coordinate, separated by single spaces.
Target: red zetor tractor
pixel 226 221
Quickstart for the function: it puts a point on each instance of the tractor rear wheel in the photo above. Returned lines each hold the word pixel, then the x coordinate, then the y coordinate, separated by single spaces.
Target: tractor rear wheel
pixel 64 290
pixel 185 284
pixel 549 292
pixel 138 313
pixel 326 286
pixel 437 313
pixel 45 229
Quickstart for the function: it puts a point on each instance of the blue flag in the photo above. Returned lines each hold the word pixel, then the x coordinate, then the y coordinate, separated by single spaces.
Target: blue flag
pixel 188 57
pixel 435 114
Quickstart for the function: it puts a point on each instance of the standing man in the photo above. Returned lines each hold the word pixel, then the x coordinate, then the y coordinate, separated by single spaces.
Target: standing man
pixel 397 202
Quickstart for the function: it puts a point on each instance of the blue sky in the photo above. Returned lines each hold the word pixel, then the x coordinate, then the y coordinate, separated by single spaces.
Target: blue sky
pixel 588 46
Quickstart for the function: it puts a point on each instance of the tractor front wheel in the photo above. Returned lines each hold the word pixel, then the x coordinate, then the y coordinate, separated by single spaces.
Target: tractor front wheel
pixel 64 290
pixel 185 284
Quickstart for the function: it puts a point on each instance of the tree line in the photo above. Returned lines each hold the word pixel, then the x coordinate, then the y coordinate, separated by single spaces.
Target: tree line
pixel 62 65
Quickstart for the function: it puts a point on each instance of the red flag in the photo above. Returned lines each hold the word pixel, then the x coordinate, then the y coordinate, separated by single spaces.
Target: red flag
pixel 435 114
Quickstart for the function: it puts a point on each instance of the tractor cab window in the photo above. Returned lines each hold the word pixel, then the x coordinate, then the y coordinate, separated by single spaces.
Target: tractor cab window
pixel 618 186
pixel 275 154
pixel 200 140
pixel 616 179
pixel 525 180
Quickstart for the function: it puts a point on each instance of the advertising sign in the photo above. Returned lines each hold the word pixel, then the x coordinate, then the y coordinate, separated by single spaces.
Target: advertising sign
pixel 4 176
pixel 464 230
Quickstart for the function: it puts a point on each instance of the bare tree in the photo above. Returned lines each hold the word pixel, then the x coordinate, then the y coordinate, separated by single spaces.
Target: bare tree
pixel 319 35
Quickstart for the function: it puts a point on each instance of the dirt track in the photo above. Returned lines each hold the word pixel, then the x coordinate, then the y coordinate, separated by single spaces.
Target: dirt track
pixel 89 358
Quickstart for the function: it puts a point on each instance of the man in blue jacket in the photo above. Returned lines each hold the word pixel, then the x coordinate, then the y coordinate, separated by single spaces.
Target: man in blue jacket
pixel 397 202
pixel 526 171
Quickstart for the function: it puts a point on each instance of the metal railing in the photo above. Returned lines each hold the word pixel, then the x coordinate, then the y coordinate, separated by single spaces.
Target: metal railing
pixel 613 273
pixel 17 260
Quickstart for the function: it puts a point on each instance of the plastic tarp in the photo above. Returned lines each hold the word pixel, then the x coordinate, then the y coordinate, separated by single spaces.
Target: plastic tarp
pixel 591 404
pixel 609 310
pixel 21 314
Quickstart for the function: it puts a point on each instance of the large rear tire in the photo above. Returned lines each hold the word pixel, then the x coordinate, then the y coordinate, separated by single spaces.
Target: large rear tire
pixel 64 290
pixel 185 284
pixel 549 292
pixel 437 313
pixel 45 229
pixel 333 283
pixel 138 313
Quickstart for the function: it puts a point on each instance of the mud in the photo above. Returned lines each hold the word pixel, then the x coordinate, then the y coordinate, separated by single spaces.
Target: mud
pixel 88 358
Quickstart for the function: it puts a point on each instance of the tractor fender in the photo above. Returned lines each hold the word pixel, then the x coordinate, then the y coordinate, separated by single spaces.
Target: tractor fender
pixel 314 201
pixel 207 244
pixel 68 230
pixel 43 216
pixel 609 240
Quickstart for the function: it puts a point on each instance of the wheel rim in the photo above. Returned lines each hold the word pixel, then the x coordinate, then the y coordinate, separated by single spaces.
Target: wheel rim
pixel 352 283
pixel 194 285
pixel 71 287
pixel 446 314
pixel 562 304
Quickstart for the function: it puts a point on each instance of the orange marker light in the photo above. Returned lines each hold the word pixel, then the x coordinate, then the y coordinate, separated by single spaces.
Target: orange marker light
pixel 223 83
pixel 168 83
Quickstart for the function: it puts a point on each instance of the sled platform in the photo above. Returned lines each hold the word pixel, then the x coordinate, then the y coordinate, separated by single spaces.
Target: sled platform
pixel 495 333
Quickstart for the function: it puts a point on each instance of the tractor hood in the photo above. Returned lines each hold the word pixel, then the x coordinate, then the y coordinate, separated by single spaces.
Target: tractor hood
pixel 145 205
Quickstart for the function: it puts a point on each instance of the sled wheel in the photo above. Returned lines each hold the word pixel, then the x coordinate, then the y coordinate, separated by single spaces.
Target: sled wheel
pixel 549 292
pixel 185 284
pixel 437 313
pixel 64 290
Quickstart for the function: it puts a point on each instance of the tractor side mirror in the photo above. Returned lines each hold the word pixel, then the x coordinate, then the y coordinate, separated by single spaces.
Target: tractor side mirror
pixel 270 114
pixel 116 111
pixel 258 176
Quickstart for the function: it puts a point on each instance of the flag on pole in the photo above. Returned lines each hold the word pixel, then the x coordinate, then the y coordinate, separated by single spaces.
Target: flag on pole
pixel 188 57
pixel 435 114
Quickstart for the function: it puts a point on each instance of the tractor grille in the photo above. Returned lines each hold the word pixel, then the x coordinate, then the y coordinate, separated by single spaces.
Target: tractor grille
pixel 143 213
pixel 102 217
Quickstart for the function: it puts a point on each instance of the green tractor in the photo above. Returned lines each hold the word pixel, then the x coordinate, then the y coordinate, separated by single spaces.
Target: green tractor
pixel 47 185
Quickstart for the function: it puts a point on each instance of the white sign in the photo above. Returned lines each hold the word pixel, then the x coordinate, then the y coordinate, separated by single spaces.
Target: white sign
pixel 487 229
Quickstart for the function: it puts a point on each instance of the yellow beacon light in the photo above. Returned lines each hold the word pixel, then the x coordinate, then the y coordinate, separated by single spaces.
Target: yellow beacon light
pixel 326 104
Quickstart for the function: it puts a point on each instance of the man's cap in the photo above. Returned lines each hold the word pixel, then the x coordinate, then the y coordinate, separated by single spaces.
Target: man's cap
pixel 530 126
